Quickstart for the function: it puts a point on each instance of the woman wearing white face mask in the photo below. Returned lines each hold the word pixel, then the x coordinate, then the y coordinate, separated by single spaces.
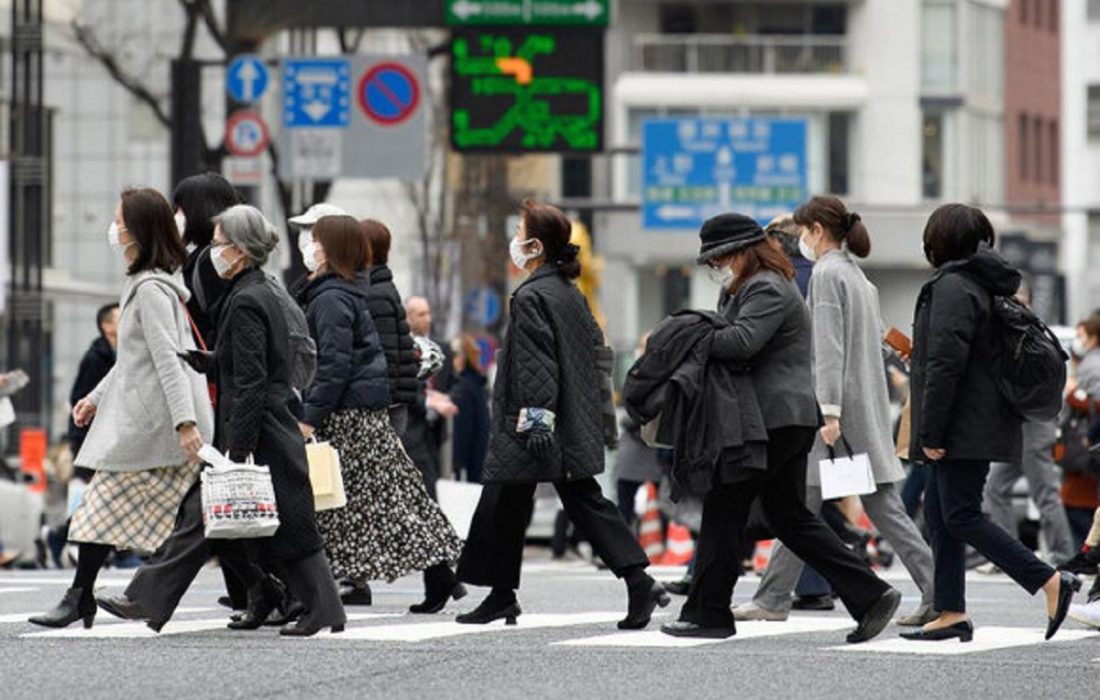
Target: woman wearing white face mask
pixel 151 413
pixel 850 384
pixel 547 426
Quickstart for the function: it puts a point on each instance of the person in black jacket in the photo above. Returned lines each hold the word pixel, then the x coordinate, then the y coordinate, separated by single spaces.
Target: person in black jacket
pixel 548 426
pixel 960 422
pixel 769 331
pixel 94 366
pixel 389 526
pixel 388 312
pixel 471 424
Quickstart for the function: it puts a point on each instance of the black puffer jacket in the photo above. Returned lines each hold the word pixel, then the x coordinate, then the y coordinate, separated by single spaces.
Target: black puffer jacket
pixel 384 302
pixel 96 363
pixel 955 402
pixel 351 367
pixel 548 360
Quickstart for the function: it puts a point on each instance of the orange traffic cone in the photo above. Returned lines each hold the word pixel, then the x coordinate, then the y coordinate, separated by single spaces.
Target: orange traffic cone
pixel 763 555
pixel 649 531
pixel 679 548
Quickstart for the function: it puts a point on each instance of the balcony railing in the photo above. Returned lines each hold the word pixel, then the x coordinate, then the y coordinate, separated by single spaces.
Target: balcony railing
pixel 724 53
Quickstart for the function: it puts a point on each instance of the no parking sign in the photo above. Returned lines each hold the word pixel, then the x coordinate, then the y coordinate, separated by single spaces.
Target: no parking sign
pixel 246 134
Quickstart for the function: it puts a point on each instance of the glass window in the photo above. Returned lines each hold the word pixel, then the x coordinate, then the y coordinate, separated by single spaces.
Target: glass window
pixel 1054 145
pixel 1093 115
pixel 1023 10
pixel 932 155
pixel 1093 10
pixel 1037 144
pixel 939 57
pixel 1054 15
pixel 838 152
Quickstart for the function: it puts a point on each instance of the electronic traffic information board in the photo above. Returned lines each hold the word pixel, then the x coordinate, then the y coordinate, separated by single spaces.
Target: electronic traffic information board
pixel 527 90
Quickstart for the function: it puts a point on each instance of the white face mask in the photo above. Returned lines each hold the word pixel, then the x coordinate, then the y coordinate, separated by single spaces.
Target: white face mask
pixel 181 222
pixel 217 258
pixel 309 256
pixel 722 276
pixel 519 257
pixel 806 249
pixel 114 236
pixel 1078 348
pixel 305 237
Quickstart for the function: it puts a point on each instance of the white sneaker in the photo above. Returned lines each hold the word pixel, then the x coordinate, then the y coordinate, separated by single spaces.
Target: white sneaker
pixel 752 611
pixel 1086 614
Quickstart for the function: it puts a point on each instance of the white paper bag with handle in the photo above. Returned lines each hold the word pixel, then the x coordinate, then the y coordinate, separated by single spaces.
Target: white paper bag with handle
pixel 238 500
pixel 846 476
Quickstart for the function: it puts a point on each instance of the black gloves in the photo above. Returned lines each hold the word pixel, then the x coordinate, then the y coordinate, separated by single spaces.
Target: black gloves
pixel 541 445
pixel 199 360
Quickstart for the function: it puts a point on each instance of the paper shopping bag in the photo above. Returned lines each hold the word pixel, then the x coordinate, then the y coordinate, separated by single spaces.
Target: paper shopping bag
pixel 238 500
pixel 325 476
pixel 846 476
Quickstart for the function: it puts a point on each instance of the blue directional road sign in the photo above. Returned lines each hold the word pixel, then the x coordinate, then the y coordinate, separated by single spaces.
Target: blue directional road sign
pixel 316 92
pixel 246 79
pixel 696 168
pixel 483 306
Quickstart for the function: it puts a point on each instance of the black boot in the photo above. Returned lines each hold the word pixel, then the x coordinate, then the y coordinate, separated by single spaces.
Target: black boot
pixel 645 596
pixel 265 597
pixel 76 605
pixel 440 585
pixel 359 594
pixel 501 604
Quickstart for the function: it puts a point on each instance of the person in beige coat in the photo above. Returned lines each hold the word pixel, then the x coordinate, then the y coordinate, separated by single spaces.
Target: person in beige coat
pixel 149 416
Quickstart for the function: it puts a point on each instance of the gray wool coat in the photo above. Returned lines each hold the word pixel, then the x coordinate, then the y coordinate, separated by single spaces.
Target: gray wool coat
pixel 150 390
pixel 849 369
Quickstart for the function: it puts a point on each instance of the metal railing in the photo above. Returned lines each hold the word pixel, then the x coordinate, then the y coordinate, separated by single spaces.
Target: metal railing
pixel 726 53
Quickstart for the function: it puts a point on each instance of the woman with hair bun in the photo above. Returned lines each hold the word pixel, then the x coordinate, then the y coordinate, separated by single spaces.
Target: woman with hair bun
pixel 850 384
pixel 547 426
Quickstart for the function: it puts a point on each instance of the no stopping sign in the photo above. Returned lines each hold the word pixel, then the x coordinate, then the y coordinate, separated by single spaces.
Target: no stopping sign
pixel 389 93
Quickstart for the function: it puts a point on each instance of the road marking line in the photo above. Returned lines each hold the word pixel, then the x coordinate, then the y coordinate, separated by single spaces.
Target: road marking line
pixel 66 581
pixel 985 639
pixel 139 630
pixel 745 630
pixel 441 630
pixel 17 590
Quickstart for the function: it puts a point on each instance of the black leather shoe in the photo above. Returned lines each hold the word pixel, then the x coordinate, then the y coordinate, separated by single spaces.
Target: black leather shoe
pixel 814 602
pixel 278 618
pixel 1083 563
pixel 682 628
pixel 303 629
pixel 642 604
pixel 121 606
pixel 488 612
pixel 357 596
pixel 876 619
pixel 1070 585
pixel 75 605
pixel 433 605
pixel 963 631
pixel 681 587
pixel 264 598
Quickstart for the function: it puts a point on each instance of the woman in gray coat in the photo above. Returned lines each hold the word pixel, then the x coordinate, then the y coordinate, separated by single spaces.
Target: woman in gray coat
pixel 151 413
pixel 850 383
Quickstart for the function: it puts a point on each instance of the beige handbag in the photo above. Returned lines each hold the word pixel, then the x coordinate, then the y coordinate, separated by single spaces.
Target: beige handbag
pixel 325 476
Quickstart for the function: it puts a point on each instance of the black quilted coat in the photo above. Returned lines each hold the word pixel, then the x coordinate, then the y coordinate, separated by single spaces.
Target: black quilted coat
pixel 548 360
pixel 384 303
pixel 253 416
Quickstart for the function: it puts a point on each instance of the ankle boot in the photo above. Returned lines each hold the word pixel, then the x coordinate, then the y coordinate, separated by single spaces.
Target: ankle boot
pixel 440 585
pixel 644 597
pixel 495 607
pixel 264 598
pixel 76 605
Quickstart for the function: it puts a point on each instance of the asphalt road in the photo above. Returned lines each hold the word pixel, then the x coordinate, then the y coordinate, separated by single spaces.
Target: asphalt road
pixel 565 646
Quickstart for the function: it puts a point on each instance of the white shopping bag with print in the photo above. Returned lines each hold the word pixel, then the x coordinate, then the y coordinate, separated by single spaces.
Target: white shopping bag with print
pixel 846 476
pixel 238 500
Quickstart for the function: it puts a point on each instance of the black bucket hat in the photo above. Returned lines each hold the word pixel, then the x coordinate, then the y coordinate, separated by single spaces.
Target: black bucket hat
pixel 725 234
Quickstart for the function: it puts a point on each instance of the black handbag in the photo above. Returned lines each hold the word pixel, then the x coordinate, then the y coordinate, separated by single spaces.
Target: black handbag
pixel 1077 455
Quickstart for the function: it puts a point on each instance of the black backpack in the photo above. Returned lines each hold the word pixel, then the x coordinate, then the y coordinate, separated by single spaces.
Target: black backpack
pixel 1029 362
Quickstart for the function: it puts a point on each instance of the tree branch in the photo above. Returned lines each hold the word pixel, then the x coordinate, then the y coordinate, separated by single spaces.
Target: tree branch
pixel 187 47
pixel 211 22
pixel 87 39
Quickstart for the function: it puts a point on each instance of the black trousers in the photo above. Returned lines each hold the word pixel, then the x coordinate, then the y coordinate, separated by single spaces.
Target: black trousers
pixel 161 582
pixel 493 555
pixel 953 511
pixel 781 489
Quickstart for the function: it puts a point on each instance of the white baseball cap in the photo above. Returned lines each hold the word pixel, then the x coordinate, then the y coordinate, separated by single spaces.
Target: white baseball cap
pixel 315 213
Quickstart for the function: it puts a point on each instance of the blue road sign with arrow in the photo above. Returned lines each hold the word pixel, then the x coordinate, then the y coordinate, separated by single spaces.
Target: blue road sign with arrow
pixel 696 168
pixel 246 79
pixel 483 306
pixel 316 92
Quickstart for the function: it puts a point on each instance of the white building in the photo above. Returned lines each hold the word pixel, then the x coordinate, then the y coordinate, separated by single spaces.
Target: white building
pixel 904 105
pixel 1081 154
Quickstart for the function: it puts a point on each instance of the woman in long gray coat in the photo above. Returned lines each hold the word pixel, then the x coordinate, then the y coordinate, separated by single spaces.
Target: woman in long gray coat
pixel 151 413
pixel 850 382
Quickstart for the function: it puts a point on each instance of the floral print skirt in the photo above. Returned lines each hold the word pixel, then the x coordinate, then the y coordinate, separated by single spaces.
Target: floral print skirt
pixel 389 527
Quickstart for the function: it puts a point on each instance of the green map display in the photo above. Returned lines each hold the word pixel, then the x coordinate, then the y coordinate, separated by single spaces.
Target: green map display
pixel 527 90
pixel 592 13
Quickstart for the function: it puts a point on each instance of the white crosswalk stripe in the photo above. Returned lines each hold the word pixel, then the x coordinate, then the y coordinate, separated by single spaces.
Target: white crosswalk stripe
pixel 17 590
pixel 132 630
pixel 985 639
pixel 440 630
pixel 745 631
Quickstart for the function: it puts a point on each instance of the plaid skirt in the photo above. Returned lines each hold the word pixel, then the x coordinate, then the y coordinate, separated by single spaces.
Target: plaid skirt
pixel 132 510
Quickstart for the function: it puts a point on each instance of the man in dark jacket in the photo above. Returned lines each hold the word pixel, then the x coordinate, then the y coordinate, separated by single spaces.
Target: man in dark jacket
pixel 97 362
pixel 426 428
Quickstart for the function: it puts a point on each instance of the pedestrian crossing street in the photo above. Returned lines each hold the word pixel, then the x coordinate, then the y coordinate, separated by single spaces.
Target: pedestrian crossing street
pixel 594 629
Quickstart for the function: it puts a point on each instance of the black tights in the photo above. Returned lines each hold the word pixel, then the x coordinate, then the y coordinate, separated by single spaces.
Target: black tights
pixel 91 560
